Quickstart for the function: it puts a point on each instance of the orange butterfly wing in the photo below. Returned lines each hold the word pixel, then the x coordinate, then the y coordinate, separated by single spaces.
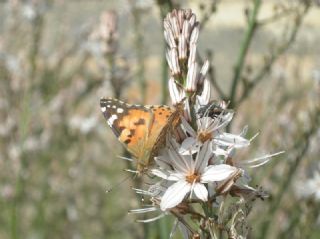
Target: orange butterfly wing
pixel 141 129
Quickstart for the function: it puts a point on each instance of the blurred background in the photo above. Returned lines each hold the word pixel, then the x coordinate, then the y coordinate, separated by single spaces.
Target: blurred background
pixel 57 154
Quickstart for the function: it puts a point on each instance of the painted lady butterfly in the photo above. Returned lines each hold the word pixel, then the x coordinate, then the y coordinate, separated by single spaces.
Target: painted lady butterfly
pixel 142 129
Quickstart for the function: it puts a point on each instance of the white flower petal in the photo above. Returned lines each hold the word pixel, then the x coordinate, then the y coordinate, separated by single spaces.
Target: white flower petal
pixel 187 127
pixel 188 142
pixel 159 173
pixel 177 161
pixel 226 139
pixel 175 194
pixel 204 98
pixel 203 157
pixel 188 146
pixel 218 151
pixel 186 111
pixel 181 163
pixel 223 120
pixel 206 124
pixel 152 219
pixel 163 161
pixel 231 152
pixel 201 191
pixel 175 177
pixel 215 173
pixel 194 149
pixel 188 161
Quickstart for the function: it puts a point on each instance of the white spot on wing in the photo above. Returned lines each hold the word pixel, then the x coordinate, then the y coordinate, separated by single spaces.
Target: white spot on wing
pixel 112 119
pixel 114 106
pixel 103 109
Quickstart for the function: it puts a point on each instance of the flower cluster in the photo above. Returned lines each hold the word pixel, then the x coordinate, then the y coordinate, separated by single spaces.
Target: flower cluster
pixel 181 31
pixel 197 165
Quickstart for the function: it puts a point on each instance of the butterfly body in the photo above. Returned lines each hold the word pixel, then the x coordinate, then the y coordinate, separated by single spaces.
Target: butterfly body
pixel 142 129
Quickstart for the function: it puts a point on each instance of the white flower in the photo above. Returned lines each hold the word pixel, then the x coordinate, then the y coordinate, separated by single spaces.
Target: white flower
pixel 211 130
pixel 311 187
pixel 189 175
pixel 247 164
pixel 29 12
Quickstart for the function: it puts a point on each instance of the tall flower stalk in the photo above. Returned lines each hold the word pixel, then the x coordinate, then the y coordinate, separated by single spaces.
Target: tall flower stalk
pixel 198 178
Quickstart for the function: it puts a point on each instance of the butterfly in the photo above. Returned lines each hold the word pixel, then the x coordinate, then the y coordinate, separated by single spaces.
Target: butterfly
pixel 142 129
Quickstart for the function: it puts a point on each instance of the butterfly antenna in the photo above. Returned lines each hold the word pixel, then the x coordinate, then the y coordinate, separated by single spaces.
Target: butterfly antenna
pixel 120 183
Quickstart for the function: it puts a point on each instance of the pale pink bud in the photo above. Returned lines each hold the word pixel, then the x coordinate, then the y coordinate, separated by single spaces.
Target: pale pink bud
pixel 180 18
pixel 173 61
pixel 170 39
pixel 191 83
pixel 194 34
pixel 186 28
pixel 192 20
pixel 175 27
pixel 204 98
pixel 176 93
pixel 203 72
pixel 192 54
pixel 183 48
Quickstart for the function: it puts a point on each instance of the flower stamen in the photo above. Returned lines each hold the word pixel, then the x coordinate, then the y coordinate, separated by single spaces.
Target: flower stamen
pixel 204 136
pixel 192 178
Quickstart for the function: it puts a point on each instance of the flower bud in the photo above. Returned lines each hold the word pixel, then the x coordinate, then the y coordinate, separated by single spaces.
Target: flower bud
pixel 191 83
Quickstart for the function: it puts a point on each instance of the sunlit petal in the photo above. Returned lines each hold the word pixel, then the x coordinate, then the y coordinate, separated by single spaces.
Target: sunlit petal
pixel 226 139
pixel 201 191
pixel 215 173
pixel 174 195
pixel 189 145
pixel 159 173
pixel 203 157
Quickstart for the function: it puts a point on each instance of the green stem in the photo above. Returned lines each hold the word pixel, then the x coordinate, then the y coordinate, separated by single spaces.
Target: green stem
pixel 243 51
